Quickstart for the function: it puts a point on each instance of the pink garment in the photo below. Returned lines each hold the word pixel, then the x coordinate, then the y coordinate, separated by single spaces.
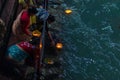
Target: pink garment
pixel 25 21
pixel 26 46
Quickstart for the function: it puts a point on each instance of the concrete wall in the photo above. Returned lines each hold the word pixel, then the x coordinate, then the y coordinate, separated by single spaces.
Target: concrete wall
pixel 7 10
pixel 1 2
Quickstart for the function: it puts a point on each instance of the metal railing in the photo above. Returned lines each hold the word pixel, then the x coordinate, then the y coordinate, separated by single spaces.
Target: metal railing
pixel 42 50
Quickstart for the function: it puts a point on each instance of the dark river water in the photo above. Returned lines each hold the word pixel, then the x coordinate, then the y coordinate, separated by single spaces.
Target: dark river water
pixel 91 36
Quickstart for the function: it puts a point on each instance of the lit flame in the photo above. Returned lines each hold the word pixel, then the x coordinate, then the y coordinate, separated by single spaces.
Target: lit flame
pixel 50 62
pixel 68 11
pixel 40 45
pixel 36 33
pixel 59 45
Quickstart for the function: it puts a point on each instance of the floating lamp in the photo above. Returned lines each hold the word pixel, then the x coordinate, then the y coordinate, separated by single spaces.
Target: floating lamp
pixel 49 61
pixel 36 33
pixel 59 45
pixel 68 11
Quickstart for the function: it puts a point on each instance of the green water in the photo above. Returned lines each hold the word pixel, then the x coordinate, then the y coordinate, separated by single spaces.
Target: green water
pixel 91 36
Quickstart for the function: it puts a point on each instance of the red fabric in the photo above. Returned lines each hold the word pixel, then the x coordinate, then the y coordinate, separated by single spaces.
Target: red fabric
pixel 26 46
pixel 25 21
